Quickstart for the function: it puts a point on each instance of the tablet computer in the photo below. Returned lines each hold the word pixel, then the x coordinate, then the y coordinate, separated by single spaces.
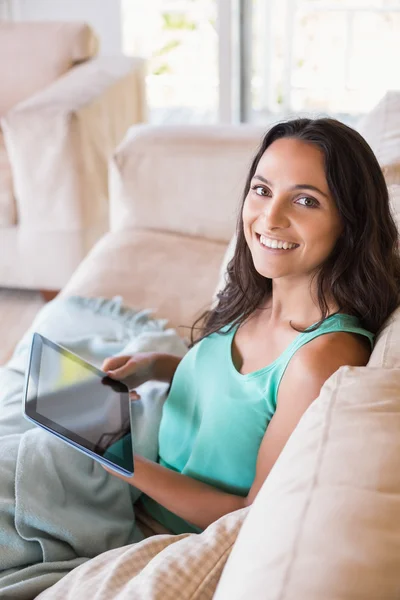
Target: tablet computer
pixel 79 403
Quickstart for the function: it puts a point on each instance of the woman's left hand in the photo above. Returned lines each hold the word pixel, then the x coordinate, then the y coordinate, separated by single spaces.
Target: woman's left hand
pixel 127 478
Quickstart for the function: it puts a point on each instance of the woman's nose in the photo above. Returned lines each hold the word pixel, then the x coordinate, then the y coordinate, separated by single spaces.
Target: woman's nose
pixel 275 213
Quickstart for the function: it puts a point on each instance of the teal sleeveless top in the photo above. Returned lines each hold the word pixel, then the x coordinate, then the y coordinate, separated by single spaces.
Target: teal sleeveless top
pixel 215 418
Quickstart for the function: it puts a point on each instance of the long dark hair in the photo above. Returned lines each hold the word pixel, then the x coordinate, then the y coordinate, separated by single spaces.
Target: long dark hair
pixel 362 272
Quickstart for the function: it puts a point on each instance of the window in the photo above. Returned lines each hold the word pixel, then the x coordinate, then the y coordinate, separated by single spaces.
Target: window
pixel 180 41
pixel 260 60
pixel 314 56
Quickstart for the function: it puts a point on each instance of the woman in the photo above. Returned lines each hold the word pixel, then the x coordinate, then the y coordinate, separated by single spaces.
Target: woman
pixel 287 319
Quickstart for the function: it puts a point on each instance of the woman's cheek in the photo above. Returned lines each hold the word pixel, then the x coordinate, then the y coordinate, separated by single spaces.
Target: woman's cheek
pixel 245 226
pixel 246 213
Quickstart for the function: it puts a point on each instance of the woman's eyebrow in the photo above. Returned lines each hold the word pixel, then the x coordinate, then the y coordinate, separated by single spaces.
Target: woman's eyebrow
pixel 299 186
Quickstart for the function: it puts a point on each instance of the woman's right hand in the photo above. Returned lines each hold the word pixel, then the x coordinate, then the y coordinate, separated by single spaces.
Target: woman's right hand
pixel 134 370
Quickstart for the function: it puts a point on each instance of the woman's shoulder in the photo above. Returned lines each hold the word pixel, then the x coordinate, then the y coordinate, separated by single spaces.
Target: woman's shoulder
pixel 351 331
pixel 354 349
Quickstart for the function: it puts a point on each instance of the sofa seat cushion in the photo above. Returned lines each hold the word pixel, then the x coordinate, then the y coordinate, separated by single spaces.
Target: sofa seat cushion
pixel 8 211
pixel 161 567
pixel 326 522
pixel 381 128
pixel 37 54
pixel 173 274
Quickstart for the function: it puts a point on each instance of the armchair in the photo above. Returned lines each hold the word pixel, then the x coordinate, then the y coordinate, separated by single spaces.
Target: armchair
pixel 63 110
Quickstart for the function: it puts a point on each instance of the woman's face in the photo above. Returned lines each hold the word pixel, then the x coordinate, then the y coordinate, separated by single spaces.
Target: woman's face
pixel 289 200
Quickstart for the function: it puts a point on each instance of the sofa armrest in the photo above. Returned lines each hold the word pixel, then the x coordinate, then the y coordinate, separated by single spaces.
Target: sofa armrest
pixel 60 141
pixel 181 179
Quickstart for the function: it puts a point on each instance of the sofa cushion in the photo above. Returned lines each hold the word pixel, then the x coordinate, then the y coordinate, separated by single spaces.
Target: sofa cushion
pixel 8 212
pixel 174 274
pixel 163 567
pixel 394 199
pixel 37 54
pixel 183 179
pixel 381 129
pixel 229 252
pixel 326 522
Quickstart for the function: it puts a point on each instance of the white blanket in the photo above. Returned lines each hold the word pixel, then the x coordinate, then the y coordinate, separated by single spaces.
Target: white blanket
pixel 58 507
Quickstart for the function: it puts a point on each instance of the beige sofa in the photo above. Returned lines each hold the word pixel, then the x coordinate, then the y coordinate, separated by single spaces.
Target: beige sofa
pixel 63 110
pixel 326 522
pixel 174 193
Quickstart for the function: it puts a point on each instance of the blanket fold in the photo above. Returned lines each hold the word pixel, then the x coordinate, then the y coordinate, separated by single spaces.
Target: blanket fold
pixel 58 507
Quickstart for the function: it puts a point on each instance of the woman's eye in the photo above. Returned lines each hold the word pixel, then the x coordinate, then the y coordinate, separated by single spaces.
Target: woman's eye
pixel 314 202
pixel 260 190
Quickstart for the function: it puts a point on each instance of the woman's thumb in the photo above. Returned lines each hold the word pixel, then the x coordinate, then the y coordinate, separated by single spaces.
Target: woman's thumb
pixel 114 362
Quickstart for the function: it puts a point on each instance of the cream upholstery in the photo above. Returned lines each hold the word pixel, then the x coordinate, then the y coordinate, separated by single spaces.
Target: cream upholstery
pixel 154 238
pixel 37 54
pixel 183 179
pixel 55 146
pixel 8 212
pixel 163 567
pixel 147 269
pixel 381 129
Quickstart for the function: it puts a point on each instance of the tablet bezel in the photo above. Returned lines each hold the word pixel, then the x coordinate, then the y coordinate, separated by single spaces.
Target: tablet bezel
pixel 87 447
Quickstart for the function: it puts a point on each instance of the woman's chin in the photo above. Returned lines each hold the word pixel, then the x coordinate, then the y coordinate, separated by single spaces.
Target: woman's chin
pixel 264 271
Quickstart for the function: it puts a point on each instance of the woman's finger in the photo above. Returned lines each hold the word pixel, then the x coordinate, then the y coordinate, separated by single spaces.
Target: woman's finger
pixel 127 369
pixel 134 396
pixel 114 362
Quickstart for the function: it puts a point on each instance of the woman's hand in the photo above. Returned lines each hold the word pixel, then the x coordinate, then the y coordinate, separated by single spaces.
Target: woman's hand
pixel 142 367
pixel 134 370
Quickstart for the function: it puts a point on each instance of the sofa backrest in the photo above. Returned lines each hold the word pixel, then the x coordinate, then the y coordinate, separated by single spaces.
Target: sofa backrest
pixel 182 179
pixel 33 55
pixel 381 128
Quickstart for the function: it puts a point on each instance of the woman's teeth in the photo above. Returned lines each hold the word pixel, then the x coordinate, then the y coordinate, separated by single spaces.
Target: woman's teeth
pixel 275 244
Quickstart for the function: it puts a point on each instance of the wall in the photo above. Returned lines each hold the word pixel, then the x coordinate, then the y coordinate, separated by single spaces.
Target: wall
pixel 103 15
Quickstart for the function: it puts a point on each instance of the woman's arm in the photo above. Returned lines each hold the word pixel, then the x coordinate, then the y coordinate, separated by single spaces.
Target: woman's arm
pixel 190 499
pixel 165 367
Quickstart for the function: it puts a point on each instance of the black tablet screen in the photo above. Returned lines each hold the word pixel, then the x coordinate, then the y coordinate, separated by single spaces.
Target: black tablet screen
pixel 76 400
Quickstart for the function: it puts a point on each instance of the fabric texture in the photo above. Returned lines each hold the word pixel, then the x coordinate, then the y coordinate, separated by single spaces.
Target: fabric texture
pixel 326 522
pixel 381 128
pixel 8 210
pixel 229 252
pixel 201 171
pixel 30 66
pixel 215 418
pixel 163 567
pixel 173 274
pixel 58 143
pixel 394 199
pixel 78 509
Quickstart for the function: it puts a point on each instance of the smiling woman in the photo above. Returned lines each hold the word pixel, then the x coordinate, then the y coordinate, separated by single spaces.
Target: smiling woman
pixel 278 210
pixel 238 394
pixel 318 184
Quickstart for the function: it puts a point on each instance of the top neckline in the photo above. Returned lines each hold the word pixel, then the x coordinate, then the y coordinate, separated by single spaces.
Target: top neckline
pixel 263 370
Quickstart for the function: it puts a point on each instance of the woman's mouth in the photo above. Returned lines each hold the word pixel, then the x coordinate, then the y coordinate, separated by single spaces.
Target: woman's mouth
pixel 262 242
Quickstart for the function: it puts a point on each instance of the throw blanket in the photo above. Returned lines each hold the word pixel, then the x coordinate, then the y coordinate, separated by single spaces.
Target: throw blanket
pixel 58 507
